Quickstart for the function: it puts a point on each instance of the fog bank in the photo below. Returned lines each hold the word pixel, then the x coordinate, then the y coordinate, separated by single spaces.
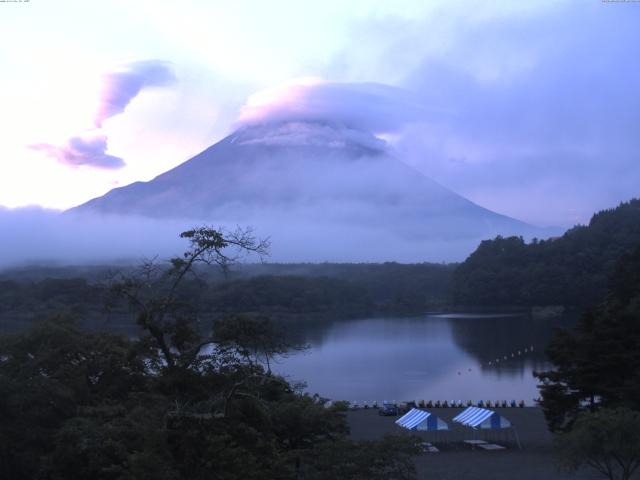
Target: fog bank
pixel 32 236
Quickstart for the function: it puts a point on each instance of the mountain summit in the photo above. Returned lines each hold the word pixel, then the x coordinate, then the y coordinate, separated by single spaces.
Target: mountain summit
pixel 321 191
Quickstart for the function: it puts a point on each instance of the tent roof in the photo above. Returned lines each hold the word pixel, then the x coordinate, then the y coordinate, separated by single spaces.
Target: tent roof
pixel 476 417
pixel 421 420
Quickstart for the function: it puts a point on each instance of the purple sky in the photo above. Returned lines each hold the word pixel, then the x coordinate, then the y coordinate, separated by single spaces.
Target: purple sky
pixel 527 108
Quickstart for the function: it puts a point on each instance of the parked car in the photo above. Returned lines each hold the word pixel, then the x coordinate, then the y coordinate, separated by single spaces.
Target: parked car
pixel 389 409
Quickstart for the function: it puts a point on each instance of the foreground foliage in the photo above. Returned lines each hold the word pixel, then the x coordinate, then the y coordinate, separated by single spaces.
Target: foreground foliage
pixel 597 364
pixel 75 405
pixel 607 441
pixel 591 399
pixel 179 402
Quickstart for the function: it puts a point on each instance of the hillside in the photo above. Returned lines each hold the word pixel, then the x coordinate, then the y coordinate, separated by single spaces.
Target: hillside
pixel 570 270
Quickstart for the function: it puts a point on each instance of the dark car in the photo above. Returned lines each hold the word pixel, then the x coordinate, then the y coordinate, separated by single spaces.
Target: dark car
pixel 389 409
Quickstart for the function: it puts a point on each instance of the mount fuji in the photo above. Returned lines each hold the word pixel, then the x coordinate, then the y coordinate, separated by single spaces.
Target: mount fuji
pixel 321 191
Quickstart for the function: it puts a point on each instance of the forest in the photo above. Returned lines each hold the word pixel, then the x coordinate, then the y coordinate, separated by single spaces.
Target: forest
pixel 286 291
pixel 571 270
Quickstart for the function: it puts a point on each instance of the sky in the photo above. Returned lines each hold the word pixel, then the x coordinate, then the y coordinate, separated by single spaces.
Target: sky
pixel 530 109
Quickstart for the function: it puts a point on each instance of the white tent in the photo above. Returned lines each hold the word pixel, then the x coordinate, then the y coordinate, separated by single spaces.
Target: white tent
pixel 421 420
pixel 476 417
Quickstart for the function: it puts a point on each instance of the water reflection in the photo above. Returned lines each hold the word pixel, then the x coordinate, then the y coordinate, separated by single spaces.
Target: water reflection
pixel 444 356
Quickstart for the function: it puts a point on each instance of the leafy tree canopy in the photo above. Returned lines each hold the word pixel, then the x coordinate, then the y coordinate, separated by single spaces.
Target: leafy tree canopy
pixel 570 270
pixel 607 441
pixel 597 364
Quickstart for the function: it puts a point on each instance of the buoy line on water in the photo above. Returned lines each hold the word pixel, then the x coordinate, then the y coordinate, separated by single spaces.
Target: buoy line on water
pixel 514 354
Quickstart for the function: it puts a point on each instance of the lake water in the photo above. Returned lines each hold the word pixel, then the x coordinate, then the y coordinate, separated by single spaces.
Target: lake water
pixel 433 356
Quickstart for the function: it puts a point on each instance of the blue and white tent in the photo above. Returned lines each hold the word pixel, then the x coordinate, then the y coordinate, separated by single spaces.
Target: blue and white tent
pixel 476 417
pixel 421 420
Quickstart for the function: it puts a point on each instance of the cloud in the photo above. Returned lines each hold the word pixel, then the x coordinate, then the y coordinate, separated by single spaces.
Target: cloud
pixel 119 88
pixel 34 235
pixel 122 86
pixel 369 107
pixel 333 230
pixel 515 111
pixel 88 150
pixel 295 133
pixel 37 236
pixel 533 115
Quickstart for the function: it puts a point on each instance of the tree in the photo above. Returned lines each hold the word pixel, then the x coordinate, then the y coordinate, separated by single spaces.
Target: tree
pixel 50 376
pixel 157 297
pixel 256 340
pixel 607 441
pixel 597 364
pixel 387 459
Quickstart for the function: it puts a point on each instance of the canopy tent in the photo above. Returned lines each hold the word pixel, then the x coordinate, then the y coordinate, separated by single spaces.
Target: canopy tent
pixel 421 420
pixel 482 418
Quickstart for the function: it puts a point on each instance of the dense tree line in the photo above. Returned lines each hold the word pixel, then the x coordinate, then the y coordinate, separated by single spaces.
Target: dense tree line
pixel 278 290
pixel 50 293
pixel 570 270
pixel 391 286
pixel 293 295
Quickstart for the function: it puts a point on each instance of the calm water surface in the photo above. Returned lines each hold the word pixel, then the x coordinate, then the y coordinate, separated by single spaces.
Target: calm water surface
pixel 438 356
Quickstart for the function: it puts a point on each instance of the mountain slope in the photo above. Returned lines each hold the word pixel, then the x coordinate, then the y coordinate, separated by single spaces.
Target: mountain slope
pixel 307 179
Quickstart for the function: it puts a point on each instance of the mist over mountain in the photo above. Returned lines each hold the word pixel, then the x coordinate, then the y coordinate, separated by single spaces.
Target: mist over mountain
pixel 321 191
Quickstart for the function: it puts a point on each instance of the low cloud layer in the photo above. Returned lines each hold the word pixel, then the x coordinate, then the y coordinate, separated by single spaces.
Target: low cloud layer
pixel 34 236
pixel 39 236
pixel 122 86
pixel 370 107
pixel 309 134
pixel 89 150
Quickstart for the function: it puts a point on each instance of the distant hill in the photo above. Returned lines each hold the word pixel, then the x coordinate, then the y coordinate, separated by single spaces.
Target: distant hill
pixel 569 270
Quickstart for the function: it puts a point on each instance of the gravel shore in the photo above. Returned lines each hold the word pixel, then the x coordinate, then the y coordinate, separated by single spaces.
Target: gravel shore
pixel 457 461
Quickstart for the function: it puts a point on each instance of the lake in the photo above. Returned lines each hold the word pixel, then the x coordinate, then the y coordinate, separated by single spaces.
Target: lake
pixel 433 356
